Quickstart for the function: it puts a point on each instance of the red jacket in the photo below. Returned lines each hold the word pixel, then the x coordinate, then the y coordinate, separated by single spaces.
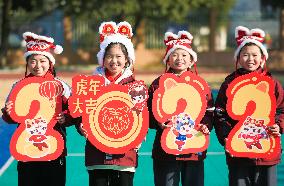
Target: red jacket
pixel 94 156
pixel 223 124
pixel 61 128
pixel 157 151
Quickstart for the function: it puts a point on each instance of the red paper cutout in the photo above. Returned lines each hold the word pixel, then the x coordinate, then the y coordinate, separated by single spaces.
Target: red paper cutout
pixel 182 101
pixel 252 102
pixel 114 117
pixel 36 101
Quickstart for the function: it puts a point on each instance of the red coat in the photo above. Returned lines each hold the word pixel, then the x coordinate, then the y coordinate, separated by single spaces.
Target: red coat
pixel 223 124
pixel 157 151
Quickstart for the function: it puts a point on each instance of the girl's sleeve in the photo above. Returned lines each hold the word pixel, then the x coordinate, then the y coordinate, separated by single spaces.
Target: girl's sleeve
pixel 5 116
pixel 279 118
pixel 221 122
pixel 69 120
pixel 208 117
pixel 153 123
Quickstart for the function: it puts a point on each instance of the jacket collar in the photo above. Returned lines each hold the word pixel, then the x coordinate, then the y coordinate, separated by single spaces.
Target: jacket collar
pixel 47 75
pixel 124 74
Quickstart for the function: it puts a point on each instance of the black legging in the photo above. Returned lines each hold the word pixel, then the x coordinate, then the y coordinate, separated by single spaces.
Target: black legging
pixel 168 173
pixel 242 175
pixel 107 177
pixel 47 173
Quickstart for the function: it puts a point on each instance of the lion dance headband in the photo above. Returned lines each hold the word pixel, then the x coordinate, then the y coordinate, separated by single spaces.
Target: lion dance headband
pixel 42 45
pixel 110 32
pixel 243 36
pixel 183 40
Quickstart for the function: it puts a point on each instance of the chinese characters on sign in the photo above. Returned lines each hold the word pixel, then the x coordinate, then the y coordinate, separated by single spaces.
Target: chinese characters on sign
pixel 115 117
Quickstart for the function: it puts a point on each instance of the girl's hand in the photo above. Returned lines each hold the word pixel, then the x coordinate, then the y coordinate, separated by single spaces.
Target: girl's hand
pixel 60 118
pixel 203 128
pixel 274 130
pixel 226 139
pixel 167 124
pixel 8 107
pixel 83 131
pixel 138 147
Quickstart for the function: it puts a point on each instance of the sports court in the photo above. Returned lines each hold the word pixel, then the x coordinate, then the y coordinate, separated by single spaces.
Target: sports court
pixel 215 165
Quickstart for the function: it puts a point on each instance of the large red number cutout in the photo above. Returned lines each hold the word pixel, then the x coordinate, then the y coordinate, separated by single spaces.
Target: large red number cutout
pixel 114 117
pixel 252 102
pixel 36 101
pixel 182 101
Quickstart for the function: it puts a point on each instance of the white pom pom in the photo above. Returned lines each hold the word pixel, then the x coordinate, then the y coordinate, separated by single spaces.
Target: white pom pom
pixel 58 49
pixel 23 43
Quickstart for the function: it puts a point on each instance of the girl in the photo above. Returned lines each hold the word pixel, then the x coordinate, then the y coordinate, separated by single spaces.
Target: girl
pixel 251 55
pixel 167 167
pixel 116 57
pixel 40 63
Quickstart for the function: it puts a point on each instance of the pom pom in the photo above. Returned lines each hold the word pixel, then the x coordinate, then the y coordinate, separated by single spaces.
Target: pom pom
pixel 185 35
pixel 58 49
pixel 170 36
pixel 23 43
pixel 125 28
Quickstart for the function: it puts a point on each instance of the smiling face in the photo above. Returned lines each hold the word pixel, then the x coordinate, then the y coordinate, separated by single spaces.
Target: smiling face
pixel 251 57
pixel 138 99
pixel 185 129
pixel 180 60
pixel 38 65
pixel 252 129
pixel 115 59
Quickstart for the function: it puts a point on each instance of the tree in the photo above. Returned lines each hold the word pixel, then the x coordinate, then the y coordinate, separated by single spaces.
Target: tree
pixel 5 29
pixel 217 9
pixel 32 8
pixel 278 4
pixel 133 11
pixel 136 11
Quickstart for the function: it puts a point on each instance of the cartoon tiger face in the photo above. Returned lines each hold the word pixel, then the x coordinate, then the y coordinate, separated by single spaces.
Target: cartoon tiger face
pixel 116 120
pixel 253 130
pixel 184 123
